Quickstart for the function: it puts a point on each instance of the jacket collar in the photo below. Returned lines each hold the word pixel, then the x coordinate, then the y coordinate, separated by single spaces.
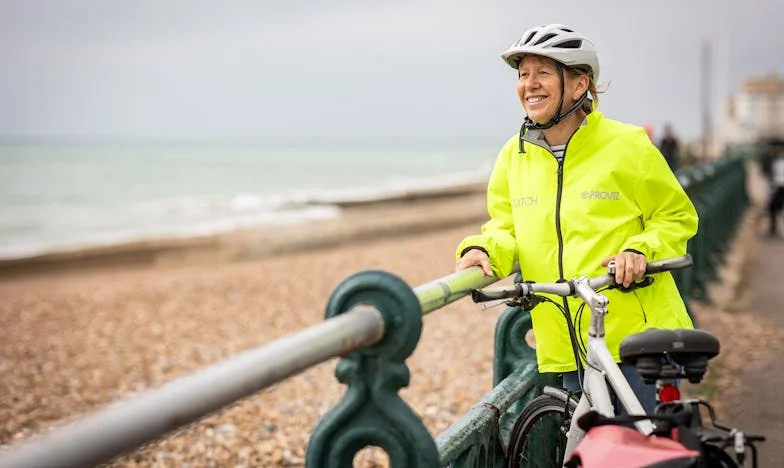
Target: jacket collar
pixel 589 124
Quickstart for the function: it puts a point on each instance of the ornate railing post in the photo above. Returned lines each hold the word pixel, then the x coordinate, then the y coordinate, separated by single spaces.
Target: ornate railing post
pixel 371 413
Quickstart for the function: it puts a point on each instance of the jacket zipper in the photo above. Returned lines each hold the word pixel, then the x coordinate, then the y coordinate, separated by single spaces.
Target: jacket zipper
pixel 558 233
pixel 558 216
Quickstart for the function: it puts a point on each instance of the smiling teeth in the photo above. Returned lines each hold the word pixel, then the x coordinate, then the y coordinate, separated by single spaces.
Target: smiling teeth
pixel 536 99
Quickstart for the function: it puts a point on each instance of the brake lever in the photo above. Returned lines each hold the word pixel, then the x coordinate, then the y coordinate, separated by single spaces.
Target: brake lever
pixel 525 303
pixel 529 302
pixel 490 305
pixel 643 283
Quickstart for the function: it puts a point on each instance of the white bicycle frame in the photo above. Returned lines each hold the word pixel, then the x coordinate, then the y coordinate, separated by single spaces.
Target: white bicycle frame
pixel 601 369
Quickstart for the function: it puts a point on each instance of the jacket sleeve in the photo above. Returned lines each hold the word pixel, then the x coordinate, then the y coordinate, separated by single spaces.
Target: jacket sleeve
pixel 497 235
pixel 668 215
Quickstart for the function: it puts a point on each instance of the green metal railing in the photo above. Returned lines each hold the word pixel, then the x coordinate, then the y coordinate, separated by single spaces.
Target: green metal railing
pixel 718 191
pixel 373 323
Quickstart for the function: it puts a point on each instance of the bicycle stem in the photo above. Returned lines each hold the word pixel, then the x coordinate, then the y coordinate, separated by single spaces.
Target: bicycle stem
pixel 597 302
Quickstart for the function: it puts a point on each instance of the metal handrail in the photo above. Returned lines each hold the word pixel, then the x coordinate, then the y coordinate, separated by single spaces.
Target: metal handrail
pixel 450 288
pixel 126 425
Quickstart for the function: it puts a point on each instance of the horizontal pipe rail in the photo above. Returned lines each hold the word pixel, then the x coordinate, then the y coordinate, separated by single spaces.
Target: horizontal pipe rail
pixel 482 419
pixel 99 437
pixel 450 288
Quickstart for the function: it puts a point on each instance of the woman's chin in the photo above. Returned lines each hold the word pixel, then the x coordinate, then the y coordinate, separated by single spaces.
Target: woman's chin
pixel 539 117
pixel 538 120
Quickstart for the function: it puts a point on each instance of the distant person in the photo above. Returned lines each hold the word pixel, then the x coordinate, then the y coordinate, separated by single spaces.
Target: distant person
pixel 772 165
pixel 573 190
pixel 670 148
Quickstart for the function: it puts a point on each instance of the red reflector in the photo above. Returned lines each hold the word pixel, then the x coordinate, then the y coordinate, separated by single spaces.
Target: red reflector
pixel 669 393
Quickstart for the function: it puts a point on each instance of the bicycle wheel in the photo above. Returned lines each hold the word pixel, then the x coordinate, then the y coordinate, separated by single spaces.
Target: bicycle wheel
pixel 538 438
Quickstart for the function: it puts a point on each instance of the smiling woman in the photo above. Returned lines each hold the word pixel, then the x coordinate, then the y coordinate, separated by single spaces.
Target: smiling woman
pixel 573 191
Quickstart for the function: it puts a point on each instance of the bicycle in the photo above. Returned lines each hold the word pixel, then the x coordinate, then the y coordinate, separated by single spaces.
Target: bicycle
pixel 551 420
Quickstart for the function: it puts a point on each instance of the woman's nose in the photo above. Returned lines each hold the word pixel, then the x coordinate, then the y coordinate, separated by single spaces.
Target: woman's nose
pixel 529 83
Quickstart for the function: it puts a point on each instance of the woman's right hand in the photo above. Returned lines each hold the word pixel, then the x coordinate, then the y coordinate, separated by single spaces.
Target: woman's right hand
pixel 475 257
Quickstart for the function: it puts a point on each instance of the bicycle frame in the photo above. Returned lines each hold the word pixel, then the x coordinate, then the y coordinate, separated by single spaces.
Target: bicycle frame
pixel 600 370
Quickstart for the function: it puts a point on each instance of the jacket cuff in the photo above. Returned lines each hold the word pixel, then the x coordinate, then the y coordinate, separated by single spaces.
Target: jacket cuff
pixel 635 251
pixel 473 247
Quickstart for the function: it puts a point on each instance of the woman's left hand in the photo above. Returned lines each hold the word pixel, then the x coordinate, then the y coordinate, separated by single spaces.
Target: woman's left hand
pixel 629 267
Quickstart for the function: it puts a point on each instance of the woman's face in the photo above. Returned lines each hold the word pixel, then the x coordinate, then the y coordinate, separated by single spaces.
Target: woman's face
pixel 539 88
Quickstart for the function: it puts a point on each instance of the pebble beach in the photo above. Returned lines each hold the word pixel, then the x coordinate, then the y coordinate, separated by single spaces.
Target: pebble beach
pixel 75 340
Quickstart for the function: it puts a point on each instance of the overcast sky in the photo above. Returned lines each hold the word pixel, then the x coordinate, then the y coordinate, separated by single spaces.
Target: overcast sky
pixel 349 69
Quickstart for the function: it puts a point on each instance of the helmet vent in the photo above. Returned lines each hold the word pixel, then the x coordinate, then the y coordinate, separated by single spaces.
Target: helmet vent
pixel 572 44
pixel 544 38
pixel 567 30
pixel 528 39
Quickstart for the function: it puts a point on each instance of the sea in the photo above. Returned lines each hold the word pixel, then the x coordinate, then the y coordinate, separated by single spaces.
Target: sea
pixel 64 196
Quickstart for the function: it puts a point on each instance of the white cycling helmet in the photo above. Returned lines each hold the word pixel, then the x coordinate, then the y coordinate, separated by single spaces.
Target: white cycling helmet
pixel 558 42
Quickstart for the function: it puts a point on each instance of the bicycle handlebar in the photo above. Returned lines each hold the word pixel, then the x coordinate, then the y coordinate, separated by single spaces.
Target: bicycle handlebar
pixel 567 288
pixel 669 264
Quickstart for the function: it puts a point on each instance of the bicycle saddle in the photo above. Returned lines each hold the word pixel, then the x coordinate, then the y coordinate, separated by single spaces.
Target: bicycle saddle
pixel 689 348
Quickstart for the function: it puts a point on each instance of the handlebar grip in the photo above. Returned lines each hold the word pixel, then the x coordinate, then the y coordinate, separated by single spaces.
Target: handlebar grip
pixel 668 264
pixel 492 294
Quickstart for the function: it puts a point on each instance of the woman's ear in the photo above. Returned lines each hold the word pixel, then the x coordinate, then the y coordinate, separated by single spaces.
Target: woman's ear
pixel 582 86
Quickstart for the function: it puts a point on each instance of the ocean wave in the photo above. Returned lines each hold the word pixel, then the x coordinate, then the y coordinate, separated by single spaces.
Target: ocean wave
pixel 53 242
pixel 52 228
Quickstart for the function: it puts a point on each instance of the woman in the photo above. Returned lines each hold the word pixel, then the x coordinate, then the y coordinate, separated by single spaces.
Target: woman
pixel 573 191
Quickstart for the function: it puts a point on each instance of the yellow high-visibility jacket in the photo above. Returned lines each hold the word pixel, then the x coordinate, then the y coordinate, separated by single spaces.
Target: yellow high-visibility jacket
pixel 613 191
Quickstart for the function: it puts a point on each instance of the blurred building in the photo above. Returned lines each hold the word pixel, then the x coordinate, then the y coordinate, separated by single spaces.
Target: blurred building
pixel 756 111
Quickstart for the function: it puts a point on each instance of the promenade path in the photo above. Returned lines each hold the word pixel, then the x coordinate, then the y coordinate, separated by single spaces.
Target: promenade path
pixel 757 405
